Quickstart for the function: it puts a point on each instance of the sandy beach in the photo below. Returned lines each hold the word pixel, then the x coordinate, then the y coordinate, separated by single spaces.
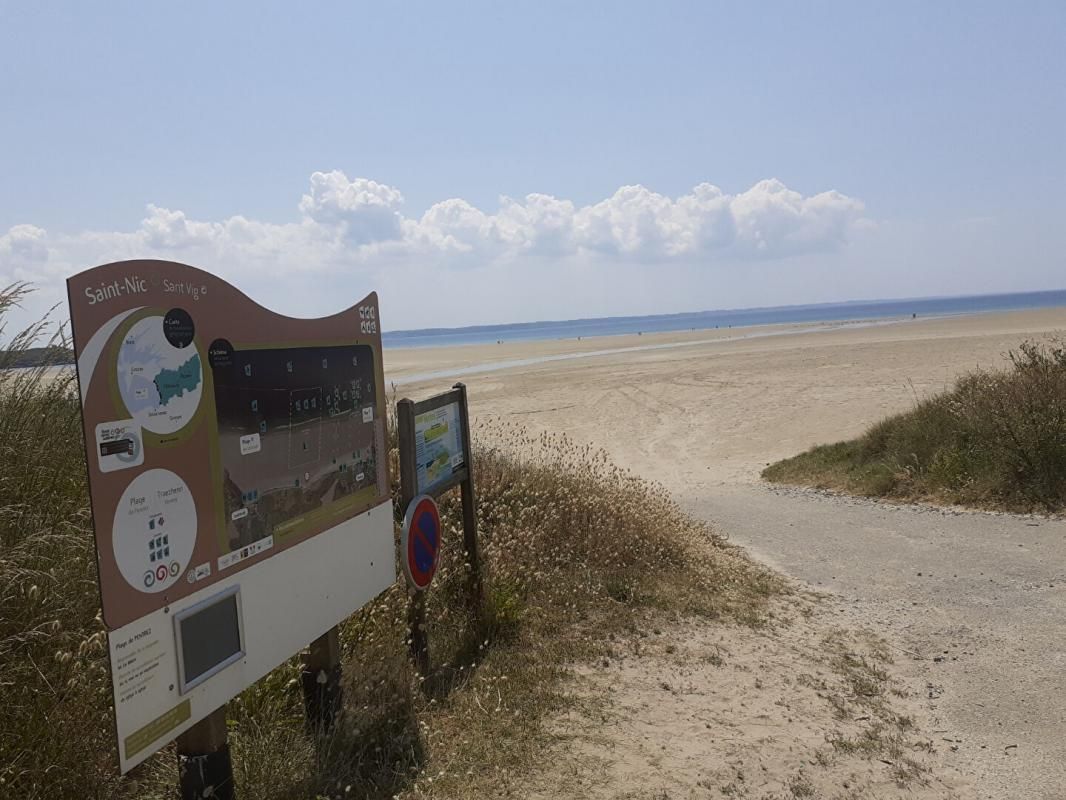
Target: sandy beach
pixel 974 604
pixel 700 408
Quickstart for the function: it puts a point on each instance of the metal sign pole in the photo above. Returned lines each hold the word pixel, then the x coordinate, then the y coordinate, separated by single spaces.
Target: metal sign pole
pixel 204 765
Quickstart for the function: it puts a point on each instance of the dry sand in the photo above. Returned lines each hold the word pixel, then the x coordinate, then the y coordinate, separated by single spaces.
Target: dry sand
pixel 973 605
pixel 707 407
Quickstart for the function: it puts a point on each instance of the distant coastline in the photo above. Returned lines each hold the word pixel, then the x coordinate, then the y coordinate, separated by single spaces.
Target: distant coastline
pixel 852 311
pixel 725 318
pixel 36 357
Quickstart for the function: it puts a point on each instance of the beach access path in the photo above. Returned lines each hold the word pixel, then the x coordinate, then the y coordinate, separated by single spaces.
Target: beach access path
pixel 972 603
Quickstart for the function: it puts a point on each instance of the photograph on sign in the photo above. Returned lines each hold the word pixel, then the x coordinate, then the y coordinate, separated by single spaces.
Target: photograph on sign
pixel 313 444
pixel 438 446
pixel 238 480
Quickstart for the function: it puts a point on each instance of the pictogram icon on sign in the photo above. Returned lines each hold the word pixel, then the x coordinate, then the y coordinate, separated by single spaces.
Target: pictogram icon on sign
pixel 420 541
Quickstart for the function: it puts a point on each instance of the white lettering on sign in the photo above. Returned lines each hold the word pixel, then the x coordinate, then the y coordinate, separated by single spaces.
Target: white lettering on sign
pixel 368 316
pixel 190 289
pixel 133 284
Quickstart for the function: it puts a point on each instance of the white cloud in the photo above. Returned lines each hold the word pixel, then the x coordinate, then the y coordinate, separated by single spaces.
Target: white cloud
pixel 165 229
pixel 356 226
pixel 364 209
pixel 772 220
pixel 24 243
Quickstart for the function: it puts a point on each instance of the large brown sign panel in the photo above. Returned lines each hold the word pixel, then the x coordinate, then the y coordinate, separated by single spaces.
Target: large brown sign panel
pixel 218 433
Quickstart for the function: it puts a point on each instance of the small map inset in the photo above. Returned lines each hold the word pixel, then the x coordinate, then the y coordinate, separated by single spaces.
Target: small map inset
pixel 160 384
pixel 297 437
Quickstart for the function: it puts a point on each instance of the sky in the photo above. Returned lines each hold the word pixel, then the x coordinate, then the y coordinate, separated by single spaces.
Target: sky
pixel 503 162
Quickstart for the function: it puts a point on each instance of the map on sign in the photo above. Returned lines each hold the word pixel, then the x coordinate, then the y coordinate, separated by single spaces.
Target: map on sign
pixel 160 383
pixel 297 436
pixel 438 446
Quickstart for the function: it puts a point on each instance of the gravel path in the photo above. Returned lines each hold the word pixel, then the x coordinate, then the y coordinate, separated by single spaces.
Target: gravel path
pixel 974 603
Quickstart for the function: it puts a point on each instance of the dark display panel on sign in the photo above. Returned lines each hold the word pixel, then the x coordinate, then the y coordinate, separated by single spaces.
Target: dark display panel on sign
pixel 209 637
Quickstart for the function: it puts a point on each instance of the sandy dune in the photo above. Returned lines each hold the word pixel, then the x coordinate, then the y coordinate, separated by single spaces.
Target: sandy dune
pixel 974 604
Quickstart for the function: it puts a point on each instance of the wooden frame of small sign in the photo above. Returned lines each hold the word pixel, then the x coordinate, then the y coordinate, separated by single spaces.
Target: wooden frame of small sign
pixel 435 456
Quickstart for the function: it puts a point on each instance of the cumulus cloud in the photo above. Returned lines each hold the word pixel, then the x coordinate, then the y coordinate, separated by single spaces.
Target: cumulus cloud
pixel 767 221
pixel 366 209
pixel 26 243
pixel 351 223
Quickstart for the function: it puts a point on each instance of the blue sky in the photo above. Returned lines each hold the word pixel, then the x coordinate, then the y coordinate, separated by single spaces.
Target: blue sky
pixel 195 131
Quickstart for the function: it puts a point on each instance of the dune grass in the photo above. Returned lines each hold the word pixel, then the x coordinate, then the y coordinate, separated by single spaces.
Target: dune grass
pixel 575 549
pixel 997 439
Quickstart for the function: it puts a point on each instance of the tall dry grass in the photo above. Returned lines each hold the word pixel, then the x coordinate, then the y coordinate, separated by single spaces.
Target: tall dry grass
pixel 575 550
pixel 54 698
pixel 996 439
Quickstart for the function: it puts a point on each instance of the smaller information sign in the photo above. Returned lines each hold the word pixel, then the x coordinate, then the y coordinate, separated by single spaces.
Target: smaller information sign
pixel 438 446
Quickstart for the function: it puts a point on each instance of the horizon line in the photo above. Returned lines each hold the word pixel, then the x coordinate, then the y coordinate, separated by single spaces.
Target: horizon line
pixel 829 304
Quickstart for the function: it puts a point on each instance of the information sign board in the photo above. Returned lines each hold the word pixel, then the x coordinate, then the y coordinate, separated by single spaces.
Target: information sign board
pixel 438 446
pixel 238 478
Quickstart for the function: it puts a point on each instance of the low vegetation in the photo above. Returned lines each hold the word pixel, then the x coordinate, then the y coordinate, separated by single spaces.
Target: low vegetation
pixel 997 440
pixel 575 549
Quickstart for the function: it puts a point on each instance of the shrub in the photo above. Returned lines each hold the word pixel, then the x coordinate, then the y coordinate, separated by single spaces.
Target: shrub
pixel 997 438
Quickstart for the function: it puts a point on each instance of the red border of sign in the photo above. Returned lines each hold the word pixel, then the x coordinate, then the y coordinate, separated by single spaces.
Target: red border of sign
pixel 423 504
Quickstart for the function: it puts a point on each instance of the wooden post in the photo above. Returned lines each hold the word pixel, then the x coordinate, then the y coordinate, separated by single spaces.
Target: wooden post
pixel 416 612
pixel 321 679
pixel 204 766
pixel 475 587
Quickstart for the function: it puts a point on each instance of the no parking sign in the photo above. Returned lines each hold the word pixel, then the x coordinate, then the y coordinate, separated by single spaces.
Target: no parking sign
pixel 420 541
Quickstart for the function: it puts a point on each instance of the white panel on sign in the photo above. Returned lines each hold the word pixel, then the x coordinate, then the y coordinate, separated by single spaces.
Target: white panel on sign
pixel 154 530
pixel 250 444
pixel 118 445
pixel 150 710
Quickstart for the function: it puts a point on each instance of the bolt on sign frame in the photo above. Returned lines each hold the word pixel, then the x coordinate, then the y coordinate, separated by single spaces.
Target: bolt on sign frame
pixel 238 476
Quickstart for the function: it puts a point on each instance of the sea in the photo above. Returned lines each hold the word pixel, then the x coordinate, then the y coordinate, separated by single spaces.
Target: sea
pixel 726 318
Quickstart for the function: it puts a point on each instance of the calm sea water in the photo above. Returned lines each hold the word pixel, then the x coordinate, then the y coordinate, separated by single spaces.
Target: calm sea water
pixel 735 318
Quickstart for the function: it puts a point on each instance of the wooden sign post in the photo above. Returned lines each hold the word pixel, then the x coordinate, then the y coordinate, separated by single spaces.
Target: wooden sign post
pixel 204 766
pixel 320 675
